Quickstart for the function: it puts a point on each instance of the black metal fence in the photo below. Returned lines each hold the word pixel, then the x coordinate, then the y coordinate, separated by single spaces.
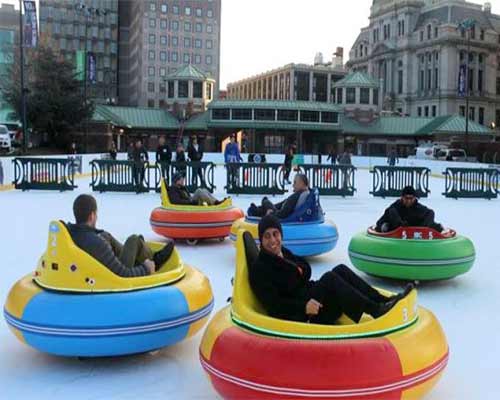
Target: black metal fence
pixel 390 181
pixel 250 178
pixel 31 173
pixel 330 180
pixel 479 183
pixel 127 176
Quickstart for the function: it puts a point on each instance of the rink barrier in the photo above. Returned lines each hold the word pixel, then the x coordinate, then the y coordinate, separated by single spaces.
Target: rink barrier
pixel 36 173
pixel 390 181
pixel 251 178
pixel 330 180
pixel 472 183
pixel 190 170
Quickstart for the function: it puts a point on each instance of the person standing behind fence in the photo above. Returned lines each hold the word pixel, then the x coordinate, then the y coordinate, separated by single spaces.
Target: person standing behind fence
pixel 130 151
pixel 163 156
pixel 112 151
pixel 393 158
pixel 140 157
pixel 332 156
pixel 345 160
pixel 180 158
pixel 195 154
pixel 232 156
pixel 287 165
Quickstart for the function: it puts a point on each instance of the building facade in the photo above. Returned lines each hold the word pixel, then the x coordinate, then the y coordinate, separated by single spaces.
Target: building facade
pixel 417 49
pixel 158 38
pixel 72 28
pixel 9 30
pixel 295 82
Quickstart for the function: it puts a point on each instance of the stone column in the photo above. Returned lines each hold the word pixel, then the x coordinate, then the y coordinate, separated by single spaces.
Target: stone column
pixel 311 78
pixel 329 89
pixel 292 85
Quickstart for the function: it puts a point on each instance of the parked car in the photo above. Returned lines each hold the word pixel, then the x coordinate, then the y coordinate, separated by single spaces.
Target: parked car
pixel 5 140
pixel 452 155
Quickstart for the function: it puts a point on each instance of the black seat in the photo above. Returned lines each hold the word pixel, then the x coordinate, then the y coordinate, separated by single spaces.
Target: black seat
pixel 251 249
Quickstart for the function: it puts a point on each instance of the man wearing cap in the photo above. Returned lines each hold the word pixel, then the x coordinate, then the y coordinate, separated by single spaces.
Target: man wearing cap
pixel 407 211
pixel 178 193
pixel 282 283
pixel 286 207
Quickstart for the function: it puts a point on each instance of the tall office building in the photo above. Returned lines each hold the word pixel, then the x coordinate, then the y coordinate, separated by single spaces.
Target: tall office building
pixel 9 30
pixel 158 38
pixel 72 27
pixel 417 49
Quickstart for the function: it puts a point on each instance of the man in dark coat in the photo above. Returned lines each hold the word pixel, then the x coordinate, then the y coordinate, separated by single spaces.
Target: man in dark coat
pixel 407 211
pixel 178 193
pixel 287 165
pixel 287 206
pixel 139 157
pixel 282 283
pixel 195 154
pixel 133 258
pixel 163 156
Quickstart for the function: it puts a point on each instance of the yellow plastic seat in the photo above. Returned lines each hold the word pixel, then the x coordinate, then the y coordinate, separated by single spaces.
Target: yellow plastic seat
pixel 66 267
pixel 247 311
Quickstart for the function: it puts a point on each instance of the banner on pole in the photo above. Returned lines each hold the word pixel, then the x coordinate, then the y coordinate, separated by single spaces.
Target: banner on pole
pixel 462 80
pixel 80 65
pixel 92 68
pixel 30 24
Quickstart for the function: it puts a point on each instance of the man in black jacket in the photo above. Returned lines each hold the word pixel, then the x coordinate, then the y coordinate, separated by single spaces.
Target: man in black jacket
pixel 132 259
pixel 282 283
pixel 178 193
pixel 287 164
pixel 139 157
pixel 195 154
pixel 163 156
pixel 407 211
pixel 287 206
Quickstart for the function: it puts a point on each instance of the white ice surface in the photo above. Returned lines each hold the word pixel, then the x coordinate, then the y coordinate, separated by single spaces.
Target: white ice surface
pixel 465 306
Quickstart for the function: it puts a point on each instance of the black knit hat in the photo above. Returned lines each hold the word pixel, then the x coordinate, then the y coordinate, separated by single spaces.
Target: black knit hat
pixel 409 191
pixel 269 221
pixel 178 175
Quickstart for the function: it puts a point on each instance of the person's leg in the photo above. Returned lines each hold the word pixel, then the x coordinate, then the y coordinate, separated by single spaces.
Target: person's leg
pixel 116 246
pixel 200 175
pixel 204 196
pixel 267 205
pixel 135 251
pixel 358 283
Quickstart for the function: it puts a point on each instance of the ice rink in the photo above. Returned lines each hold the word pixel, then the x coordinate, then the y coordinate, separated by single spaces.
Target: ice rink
pixel 465 306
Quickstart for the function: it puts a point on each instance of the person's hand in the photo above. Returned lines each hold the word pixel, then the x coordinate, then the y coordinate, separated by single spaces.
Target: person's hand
pixel 313 307
pixel 150 265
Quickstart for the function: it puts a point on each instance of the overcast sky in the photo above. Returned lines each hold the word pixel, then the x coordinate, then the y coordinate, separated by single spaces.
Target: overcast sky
pixel 259 35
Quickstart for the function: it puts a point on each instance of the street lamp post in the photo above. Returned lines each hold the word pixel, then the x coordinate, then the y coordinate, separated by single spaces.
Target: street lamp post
pixel 23 90
pixel 466 27
pixel 89 13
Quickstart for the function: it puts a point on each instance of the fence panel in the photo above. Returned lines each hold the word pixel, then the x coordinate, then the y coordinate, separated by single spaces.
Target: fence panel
pixel 198 175
pixel 249 178
pixel 330 180
pixel 31 173
pixel 390 181
pixel 478 183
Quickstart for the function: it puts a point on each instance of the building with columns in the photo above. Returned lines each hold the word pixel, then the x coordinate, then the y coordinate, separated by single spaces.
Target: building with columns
pixel 417 50
pixel 295 82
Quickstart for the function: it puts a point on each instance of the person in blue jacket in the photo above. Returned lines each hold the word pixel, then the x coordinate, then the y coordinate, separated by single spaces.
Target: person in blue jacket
pixel 232 156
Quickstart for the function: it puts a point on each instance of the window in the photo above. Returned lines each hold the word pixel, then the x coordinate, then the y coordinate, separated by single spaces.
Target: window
pixel 197 43
pixel 163 56
pixel 264 114
pixel 462 111
pixel 187 42
pixel 497 118
pixel 375 96
pixel 480 80
pixel 162 102
pixel 426 111
pixel 152 6
pixel 421 36
pixel 152 39
pixel 163 40
pixel 152 23
pixel 175 10
pixel 436 78
pixel 429 30
pixel 197 59
pixel 171 90
pixel 400 82
pixel 242 114
pixel 351 95
pixel 198 27
pixel 429 79
pixel 481 116
pixel 187 26
pixel 210 13
pixel 220 113
pixel 210 28
pixel 340 95
pixel 183 89
pixel 151 71
pixel 434 111
pixel 472 113
pixel 163 23
pixel 164 8
pixel 151 103
pixel 175 41
pixel 163 71
pixel 419 111
pixel 436 32
pixel 151 87
pixel 421 80
pixel 209 44
pixel 208 60
pixel 186 58
pixel 199 12
pixel 151 55
pixel 309 116
pixel 174 57
pixel 329 117
pixel 187 11
pixel 498 87
pixel 481 34
pixel 288 115
pixel 197 90
pixel 175 25
pixel 364 96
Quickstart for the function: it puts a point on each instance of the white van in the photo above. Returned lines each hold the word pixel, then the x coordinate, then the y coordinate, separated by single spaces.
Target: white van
pixel 5 140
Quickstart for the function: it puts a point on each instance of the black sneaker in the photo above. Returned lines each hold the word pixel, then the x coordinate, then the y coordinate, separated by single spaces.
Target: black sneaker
pixel 162 256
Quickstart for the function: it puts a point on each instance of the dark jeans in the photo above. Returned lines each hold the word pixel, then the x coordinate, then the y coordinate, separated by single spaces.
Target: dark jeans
pixel 341 291
pixel 133 252
pixel 286 172
pixel 233 172
pixel 392 218
pixel 262 210
pixel 139 172
pixel 197 172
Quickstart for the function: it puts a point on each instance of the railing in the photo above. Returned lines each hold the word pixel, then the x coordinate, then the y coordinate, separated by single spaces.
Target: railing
pixel 249 178
pixel 32 173
pixel 330 180
pixel 479 183
pixel 127 176
pixel 390 181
